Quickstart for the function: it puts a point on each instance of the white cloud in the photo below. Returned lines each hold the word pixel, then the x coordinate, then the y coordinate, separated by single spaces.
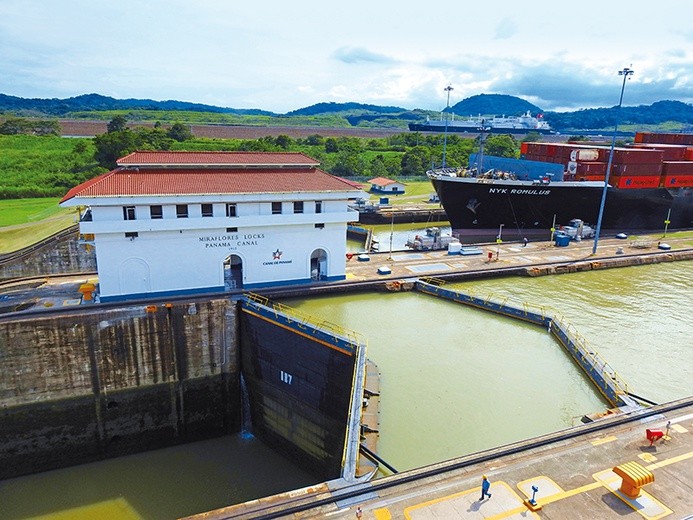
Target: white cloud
pixel 284 56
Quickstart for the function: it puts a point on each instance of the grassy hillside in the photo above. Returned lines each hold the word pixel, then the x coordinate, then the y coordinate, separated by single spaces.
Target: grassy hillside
pixel 45 166
pixel 26 221
pixel 213 118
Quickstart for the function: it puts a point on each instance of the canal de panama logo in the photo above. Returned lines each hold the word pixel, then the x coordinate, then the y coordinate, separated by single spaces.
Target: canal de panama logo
pixel 277 258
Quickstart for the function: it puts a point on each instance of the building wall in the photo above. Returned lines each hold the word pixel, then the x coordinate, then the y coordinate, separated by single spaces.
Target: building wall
pixel 192 261
pixel 168 256
pixel 98 382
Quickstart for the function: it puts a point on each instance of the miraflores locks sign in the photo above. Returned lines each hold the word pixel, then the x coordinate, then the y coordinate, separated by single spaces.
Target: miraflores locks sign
pixel 234 241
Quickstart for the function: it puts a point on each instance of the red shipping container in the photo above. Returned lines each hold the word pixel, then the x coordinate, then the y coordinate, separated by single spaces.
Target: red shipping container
pixel 590 177
pixel 523 148
pixel 671 152
pixel 636 169
pixel 677 168
pixel 653 137
pixel 591 168
pixel 678 181
pixel 635 156
pixel 689 154
pixel 633 181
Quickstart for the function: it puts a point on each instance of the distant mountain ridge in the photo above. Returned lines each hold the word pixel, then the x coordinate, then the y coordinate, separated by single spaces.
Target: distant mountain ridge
pixel 360 114
pixel 88 102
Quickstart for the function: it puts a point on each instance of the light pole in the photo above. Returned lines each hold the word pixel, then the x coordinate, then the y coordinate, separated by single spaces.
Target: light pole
pixel 445 135
pixel 499 240
pixel 626 72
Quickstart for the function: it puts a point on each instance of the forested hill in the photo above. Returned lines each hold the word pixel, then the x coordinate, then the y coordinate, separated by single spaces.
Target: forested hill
pixel 327 108
pixel 96 102
pixel 673 115
pixel 654 114
pixel 494 104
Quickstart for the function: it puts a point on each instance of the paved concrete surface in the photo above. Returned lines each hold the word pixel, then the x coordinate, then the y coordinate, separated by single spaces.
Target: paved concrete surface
pixel 410 264
pixel 574 479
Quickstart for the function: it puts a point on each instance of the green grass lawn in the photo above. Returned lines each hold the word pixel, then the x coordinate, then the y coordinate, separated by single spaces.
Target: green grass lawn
pixel 415 192
pixel 26 221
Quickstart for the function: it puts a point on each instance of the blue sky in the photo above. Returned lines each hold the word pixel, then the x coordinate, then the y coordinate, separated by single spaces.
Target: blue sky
pixel 281 56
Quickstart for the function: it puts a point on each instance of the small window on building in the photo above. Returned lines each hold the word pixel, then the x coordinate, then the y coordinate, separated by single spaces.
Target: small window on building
pixel 129 212
pixel 181 211
pixel 318 206
pixel 298 206
pixel 156 212
pixel 207 210
pixel 232 230
pixel 132 235
pixel 231 210
pixel 276 208
pixel 320 225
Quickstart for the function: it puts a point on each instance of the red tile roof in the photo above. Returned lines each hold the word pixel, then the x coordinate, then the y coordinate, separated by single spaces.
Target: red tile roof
pixel 252 159
pixel 200 181
pixel 382 181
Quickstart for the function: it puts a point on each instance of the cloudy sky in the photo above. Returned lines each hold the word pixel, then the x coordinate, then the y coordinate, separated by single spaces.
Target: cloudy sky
pixel 283 55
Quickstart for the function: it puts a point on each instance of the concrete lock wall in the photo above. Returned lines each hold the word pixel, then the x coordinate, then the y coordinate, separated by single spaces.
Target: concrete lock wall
pixel 98 382
pixel 60 254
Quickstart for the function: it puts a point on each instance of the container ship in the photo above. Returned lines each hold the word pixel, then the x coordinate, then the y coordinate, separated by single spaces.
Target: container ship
pixel 499 124
pixel 650 187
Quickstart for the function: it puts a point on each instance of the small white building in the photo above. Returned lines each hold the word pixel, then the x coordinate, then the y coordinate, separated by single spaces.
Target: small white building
pixel 383 185
pixel 172 223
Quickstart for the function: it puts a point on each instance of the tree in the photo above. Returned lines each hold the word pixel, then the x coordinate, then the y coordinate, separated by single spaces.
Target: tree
pixel 378 167
pixel 283 141
pixel 117 124
pixel 112 146
pixel 331 145
pixel 503 145
pixel 416 161
pixel 178 132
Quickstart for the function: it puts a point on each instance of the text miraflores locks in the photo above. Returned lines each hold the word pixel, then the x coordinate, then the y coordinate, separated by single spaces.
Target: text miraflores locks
pixel 232 240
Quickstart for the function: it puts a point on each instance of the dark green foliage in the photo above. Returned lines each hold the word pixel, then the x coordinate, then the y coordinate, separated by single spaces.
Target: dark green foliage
pixel 114 145
pixel 117 124
pixel 178 132
pixel 416 160
pixel 503 145
pixel 331 145
pixel 18 125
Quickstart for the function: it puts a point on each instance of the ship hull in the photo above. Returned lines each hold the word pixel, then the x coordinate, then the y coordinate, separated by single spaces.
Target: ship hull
pixel 478 208
pixel 423 127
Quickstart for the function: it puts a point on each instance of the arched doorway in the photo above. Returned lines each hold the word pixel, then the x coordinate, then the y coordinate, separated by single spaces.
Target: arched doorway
pixel 318 265
pixel 233 272
pixel 133 276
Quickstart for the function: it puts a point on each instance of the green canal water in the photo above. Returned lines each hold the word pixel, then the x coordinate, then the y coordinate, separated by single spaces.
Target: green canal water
pixel 454 380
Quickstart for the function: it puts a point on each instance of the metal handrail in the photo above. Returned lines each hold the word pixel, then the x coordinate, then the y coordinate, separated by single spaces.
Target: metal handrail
pixel 304 319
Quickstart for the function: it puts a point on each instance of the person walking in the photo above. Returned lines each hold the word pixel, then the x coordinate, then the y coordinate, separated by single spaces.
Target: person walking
pixel 485 486
pixel 524 242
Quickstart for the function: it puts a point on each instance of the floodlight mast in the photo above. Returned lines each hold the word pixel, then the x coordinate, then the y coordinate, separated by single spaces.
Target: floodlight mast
pixel 626 73
pixel 447 112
